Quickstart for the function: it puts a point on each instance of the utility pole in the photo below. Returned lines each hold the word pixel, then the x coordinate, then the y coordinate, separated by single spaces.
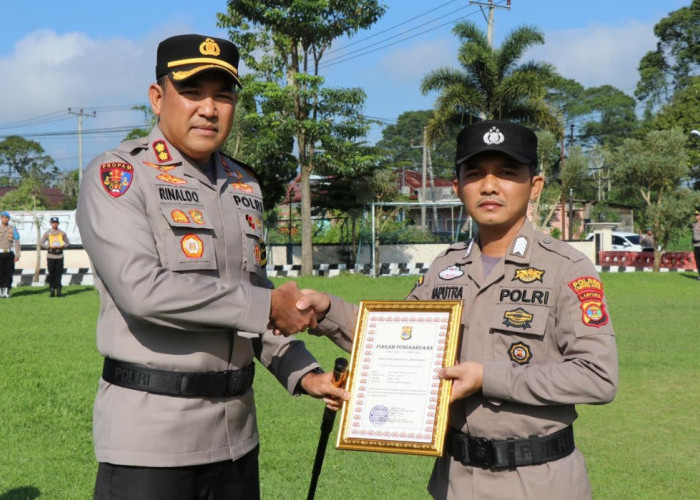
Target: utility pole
pixel 489 19
pixel 80 113
pixel 425 171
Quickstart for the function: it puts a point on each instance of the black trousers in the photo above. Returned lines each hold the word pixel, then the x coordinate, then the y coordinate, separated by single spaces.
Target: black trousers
pixel 7 269
pixel 55 270
pixel 229 480
pixel 697 258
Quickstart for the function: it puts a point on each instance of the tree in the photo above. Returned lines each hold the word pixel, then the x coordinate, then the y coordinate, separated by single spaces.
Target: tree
pixel 401 144
pixel 69 184
pixel 150 119
pixel 683 111
pixel 675 59
pixel 26 159
pixel 492 83
pixel 614 116
pixel 291 37
pixel 656 166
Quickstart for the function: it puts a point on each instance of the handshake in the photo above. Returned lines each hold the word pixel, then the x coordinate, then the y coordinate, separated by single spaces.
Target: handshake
pixel 293 310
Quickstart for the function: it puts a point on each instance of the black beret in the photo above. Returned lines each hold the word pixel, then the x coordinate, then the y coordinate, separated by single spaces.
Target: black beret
pixel 516 141
pixel 184 56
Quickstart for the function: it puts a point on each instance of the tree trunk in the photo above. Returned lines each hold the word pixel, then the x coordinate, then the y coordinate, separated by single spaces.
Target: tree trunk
pixel 307 259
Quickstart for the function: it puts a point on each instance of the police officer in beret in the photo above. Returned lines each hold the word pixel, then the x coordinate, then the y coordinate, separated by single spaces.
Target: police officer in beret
pixel 10 252
pixel 54 241
pixel 173 230
pixel 696 239
pixel 537 338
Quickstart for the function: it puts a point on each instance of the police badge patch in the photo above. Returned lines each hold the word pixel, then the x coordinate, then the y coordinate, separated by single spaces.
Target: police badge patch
pixel 192 246
pixel 518 318
pixel 520 353
pixel 528 275
pixel 451 273
pixel 116 177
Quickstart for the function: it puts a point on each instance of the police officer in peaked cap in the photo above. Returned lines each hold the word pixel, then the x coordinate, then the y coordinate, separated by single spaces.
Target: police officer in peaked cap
pixel 536 336
pixel 172 228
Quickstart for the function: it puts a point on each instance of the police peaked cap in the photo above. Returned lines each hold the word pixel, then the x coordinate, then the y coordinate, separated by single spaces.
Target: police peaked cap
pixel 184 56
pixel 516 141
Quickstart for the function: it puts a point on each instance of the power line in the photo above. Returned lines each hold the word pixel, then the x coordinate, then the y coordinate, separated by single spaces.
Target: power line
pixel 361 40
pixel 359 52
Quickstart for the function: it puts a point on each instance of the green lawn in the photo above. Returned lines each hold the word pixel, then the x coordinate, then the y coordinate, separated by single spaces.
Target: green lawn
pixel 643 445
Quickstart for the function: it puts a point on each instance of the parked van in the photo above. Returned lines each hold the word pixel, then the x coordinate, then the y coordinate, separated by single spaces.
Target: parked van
pixel 622 241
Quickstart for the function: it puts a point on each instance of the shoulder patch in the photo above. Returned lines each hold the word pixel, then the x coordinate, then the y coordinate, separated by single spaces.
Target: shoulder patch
pixel 116 177
pixel 589 291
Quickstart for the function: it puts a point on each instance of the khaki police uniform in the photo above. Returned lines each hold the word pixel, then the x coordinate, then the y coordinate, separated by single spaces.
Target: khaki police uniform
pixel 539 324
pixel 9 251
pixel 179 263
pixel 54 241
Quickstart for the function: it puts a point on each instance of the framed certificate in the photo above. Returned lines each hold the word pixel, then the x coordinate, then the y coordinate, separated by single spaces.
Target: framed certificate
pixel 398 404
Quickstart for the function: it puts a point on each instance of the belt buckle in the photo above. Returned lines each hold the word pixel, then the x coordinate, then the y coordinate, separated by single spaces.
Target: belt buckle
pixel 481 452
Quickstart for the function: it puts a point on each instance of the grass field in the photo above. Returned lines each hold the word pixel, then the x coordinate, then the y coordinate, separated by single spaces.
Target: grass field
pixel 643 445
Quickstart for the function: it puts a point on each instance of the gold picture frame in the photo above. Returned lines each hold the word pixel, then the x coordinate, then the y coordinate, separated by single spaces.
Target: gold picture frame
pixel 398 404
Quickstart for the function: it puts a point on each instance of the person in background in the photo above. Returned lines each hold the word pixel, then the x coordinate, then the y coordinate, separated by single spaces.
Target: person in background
pixel 537 338
pixel 54 241
pixel 647 240
pixel 10 252
pixel 172 227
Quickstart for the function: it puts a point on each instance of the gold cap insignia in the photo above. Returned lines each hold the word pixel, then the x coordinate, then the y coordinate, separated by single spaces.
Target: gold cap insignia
pixel 209 48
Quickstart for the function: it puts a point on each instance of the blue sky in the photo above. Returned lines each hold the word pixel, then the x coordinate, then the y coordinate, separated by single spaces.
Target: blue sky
pixel 100 56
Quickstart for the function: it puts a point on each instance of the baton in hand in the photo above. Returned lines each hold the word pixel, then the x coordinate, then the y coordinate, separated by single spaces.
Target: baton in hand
pixel 339 373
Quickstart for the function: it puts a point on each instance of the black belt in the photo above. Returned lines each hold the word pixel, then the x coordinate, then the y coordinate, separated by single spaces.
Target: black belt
pixel 510 453
pixel 184 384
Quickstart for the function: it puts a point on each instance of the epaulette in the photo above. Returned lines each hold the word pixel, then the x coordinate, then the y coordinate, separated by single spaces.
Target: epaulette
pixel 243 165
pixel 560 247
pixel 133 146
pixel 454 247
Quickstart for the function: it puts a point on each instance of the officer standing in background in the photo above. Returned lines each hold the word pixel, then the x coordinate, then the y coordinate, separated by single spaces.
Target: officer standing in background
pixel 172 228
pixel 10 252
pixel 696 240
pixel 54 241
pixel 537 337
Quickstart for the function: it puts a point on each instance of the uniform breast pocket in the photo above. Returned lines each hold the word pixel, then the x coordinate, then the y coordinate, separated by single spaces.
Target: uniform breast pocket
pixel 188 240
pixel 254 249
pixel 518 332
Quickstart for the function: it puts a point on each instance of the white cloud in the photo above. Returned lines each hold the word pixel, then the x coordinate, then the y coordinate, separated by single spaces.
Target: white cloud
pixel 598 54
pixel 417 60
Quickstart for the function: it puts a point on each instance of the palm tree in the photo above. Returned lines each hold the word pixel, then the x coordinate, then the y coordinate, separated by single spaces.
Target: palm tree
pixel 492 85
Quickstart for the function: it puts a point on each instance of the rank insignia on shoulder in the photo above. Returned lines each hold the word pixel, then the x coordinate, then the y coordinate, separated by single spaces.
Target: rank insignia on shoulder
pixel 161 149
pixel 520 353
pixel 192 246
pixel 528 275
pixel 179 216
pixel 520 246
pixel 116 177
pixel 589 291
pixel 197 216
pixel 518 318
pixel 451 272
